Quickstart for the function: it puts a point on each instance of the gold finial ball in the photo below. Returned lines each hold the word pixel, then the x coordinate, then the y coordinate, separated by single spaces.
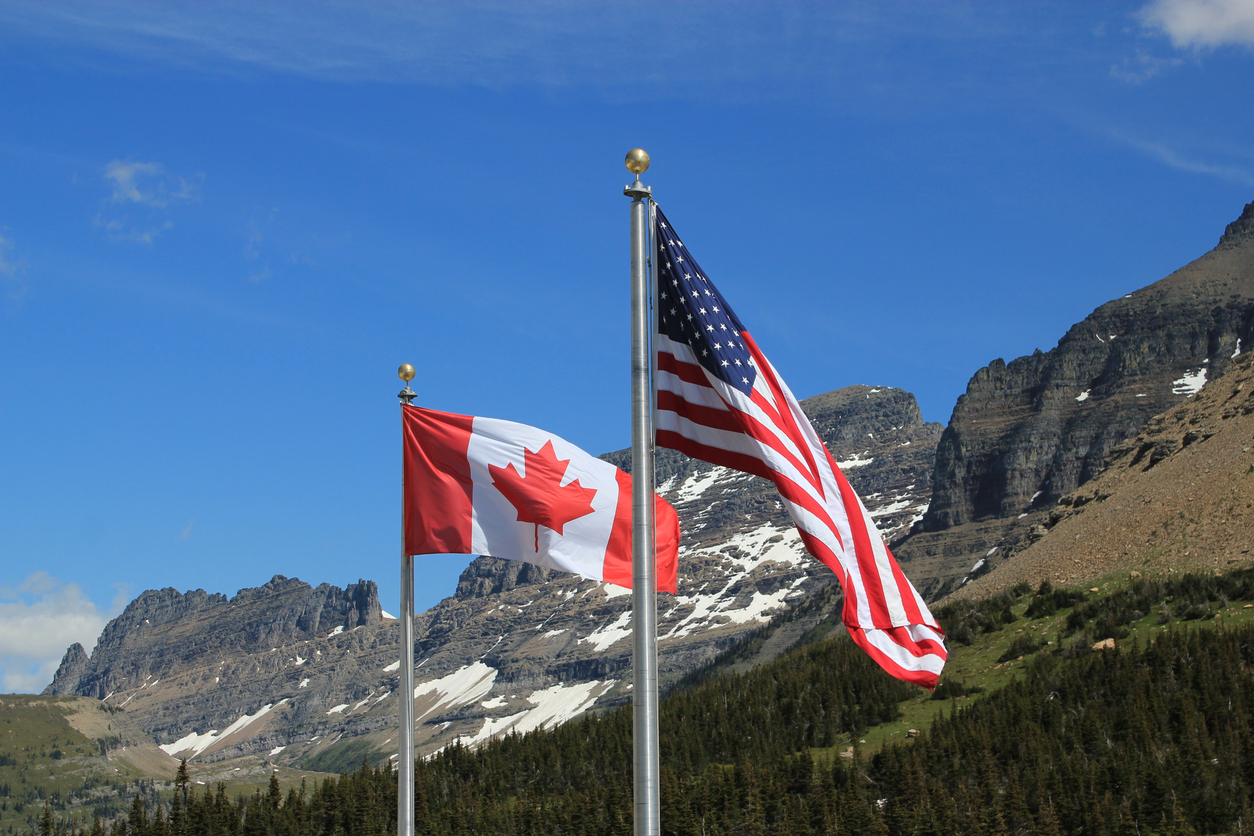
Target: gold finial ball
pixel 405 372
pixel 637 161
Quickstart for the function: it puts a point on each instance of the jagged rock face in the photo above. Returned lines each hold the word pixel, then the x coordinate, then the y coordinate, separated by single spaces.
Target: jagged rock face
pixel 70 671
pixel 161 629
pixel 309 676
pixel 1177 497
pixel 1030 431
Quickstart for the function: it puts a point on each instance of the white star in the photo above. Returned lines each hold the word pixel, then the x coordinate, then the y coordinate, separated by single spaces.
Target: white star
pixel 737 362
pixel 718 345
pixel 709 327
pixel 696 294
pixel 701 311
pixel 724 363
pixel 724 327
pixel 715 309
pixel 744 380
pixel 687 275
pixel 680 259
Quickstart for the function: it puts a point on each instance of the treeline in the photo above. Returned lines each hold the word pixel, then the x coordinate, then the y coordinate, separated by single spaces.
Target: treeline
pixel 1151 740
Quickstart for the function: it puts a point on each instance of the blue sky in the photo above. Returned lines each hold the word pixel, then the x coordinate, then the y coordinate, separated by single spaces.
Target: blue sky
pixel 224 225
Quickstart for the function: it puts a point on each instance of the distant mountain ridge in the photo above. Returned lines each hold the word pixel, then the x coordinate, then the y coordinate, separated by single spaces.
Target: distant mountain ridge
pixel 1028 432
pixel 308 676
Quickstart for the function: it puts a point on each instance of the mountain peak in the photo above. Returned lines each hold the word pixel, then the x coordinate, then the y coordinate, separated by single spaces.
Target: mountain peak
pixel 1240 231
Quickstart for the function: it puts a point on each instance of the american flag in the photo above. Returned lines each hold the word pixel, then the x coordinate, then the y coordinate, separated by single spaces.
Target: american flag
pixel 720 400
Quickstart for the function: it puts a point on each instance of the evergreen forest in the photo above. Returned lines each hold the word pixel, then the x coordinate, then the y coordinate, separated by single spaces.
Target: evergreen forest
pixel 1153 737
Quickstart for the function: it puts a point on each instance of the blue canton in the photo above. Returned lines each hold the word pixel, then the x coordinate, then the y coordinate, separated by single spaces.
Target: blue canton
pixel 692 311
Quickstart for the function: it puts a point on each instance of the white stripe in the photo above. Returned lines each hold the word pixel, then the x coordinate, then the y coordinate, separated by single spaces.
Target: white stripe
pixel 884 643
pixel 739 442
pixel 668 382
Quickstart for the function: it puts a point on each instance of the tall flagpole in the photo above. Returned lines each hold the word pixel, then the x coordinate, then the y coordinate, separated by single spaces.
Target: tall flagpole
pixel 405 735
pixel 647 819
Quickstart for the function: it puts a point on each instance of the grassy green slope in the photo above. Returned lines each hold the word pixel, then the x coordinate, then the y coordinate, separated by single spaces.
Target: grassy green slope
pixel 85 758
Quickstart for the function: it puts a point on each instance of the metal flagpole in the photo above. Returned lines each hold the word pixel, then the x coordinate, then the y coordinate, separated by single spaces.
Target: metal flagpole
pixel 405 736
pixel 647 819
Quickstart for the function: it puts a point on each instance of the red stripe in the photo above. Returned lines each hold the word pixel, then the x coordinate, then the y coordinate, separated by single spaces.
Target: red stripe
pixel 734 420
pixel 687 372
pixel 786 421
pixel 876 592
pixel 714 455
pixel 718 419
pixel 914 676
pixel 437 494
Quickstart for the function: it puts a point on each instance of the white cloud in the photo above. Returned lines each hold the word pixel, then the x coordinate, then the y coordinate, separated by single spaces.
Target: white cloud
pixel 142 194
pixel 147 183
pixel 1202 23
pixel 38 621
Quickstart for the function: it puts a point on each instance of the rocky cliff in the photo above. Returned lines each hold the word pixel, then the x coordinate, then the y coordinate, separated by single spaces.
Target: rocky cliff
pixel 308 676
pixel 1177 497
pixel 1028 432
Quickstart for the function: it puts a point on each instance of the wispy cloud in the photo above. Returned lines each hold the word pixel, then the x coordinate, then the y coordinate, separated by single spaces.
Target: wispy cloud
pixel 1193 24
pixel 12 273
pixel 1183 161
pixel 1142 66
pixel 38 621
pixel 258 267
pixel 141 192
pixel 742 48
pixel 187 532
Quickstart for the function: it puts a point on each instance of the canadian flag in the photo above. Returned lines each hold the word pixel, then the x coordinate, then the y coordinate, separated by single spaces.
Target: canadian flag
pixel 482 486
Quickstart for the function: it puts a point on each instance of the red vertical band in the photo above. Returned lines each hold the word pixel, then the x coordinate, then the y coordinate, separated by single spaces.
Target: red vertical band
pixel 617 566
pixel 438 493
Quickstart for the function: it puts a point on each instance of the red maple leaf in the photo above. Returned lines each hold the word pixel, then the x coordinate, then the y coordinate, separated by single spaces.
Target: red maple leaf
pixel 540 496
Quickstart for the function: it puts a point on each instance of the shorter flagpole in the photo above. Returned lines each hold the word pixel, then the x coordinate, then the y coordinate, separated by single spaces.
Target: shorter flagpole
pixel 405 735
pixel 646 782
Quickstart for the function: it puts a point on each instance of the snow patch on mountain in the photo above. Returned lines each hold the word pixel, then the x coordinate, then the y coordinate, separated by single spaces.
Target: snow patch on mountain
pixel 462 687
pixel 193 744
pixel 1190 384
pixel 553 706
pixel 856 461
pixel 698 483
pixel 604 636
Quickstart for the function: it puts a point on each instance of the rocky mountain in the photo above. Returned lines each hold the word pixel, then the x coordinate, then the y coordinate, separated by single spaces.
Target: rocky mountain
pixel 1028 432
pixel 306 676
pixel 1177 497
